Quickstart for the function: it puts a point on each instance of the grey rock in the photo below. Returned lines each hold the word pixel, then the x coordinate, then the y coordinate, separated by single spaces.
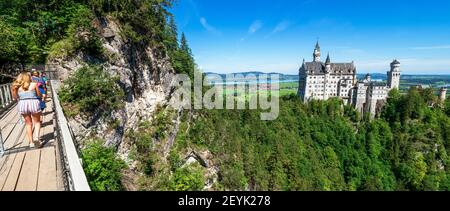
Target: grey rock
pixel 144 73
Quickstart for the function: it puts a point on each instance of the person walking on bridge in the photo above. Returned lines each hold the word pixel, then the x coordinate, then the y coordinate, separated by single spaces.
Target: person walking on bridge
pixel 27 93
pixel 35 77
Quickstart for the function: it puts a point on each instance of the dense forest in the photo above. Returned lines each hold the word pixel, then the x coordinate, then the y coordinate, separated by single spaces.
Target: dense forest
pixel 326 146
pixel 321 145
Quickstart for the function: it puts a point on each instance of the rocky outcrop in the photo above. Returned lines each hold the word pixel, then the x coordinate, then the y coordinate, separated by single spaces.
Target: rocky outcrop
pixel 204 159
pixel 145 74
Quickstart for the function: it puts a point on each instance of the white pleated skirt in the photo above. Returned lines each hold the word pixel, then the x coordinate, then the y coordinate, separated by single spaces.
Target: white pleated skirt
pixel 29 106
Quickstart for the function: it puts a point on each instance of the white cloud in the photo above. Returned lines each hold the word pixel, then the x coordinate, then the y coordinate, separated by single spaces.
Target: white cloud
pixel 432 47
pixel 209 27
pixel 253 28
pixel 256 25
pixel 282 26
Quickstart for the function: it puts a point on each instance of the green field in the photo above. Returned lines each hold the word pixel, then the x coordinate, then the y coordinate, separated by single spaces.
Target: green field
pixel 286 88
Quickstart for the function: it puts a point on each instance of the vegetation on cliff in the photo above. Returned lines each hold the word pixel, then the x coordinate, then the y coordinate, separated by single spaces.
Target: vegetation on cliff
pixel 91 91
pixel 102 167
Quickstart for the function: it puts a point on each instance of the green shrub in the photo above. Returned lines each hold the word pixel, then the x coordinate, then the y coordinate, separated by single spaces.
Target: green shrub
pixel 90 90
pixel 175 160
pixel 161 124
pixel 102 167
pixel 143 149
pixel 189 178
pixel 62 48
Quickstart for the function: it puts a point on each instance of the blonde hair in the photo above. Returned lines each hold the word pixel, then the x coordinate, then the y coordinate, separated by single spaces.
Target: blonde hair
pixel 35 73
pixel 23 80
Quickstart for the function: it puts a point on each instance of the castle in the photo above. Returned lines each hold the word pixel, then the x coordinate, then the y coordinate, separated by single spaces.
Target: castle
pixel 322 81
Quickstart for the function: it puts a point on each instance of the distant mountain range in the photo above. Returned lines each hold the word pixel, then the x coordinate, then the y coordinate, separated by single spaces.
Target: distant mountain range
pixel 283 77
pixel 375 76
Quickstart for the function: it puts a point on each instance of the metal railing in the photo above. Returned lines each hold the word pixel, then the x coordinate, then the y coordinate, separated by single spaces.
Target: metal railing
pixel 5 95
pixel 52 74
pixel 74 176
pixel 2 148
pixel 6 101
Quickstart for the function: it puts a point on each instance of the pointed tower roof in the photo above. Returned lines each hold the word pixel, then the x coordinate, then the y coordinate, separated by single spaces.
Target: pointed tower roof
pixel 328 61
pixel 317 45
pixel 395 61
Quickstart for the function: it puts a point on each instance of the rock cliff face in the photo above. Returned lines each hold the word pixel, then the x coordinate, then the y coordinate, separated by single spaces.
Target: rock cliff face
pixel 145 74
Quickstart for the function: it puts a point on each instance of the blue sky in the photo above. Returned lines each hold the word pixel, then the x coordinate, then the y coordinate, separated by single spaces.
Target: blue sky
pixel 275 35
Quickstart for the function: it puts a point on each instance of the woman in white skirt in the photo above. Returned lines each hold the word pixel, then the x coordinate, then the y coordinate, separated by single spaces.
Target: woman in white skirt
pixel 27 93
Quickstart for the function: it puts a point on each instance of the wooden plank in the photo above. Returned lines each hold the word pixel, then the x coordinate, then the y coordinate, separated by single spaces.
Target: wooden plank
pixel 17 135
pixel 47 170
pixel 14 172
pixel 9 113
pixel 5 133
pixel 28 176
pixel 48 128
pixel 7 162
pixel 53 142
pixel 15 138
pixel 47 180
pixel 13 130
pixel 7 122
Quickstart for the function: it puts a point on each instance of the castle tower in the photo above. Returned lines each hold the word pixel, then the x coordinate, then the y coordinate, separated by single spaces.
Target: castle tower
pixel 394 75
pixel 443 94
pixel 328 64
pixel 326 92
pixel 316 54
pixel 368 78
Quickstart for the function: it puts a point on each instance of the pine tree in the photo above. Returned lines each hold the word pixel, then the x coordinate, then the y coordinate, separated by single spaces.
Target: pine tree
pixel 171 41
pixel 187 59
pixel 185 46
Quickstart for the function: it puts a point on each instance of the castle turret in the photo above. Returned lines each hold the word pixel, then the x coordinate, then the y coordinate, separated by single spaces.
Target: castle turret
pixel 316 54
pixel 394 75
pixel 302 68
pixel 328 64
pixel 443 94
pixel 368 78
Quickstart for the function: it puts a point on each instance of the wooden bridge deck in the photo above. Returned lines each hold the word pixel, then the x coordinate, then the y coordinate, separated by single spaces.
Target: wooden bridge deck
pixel 26 169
